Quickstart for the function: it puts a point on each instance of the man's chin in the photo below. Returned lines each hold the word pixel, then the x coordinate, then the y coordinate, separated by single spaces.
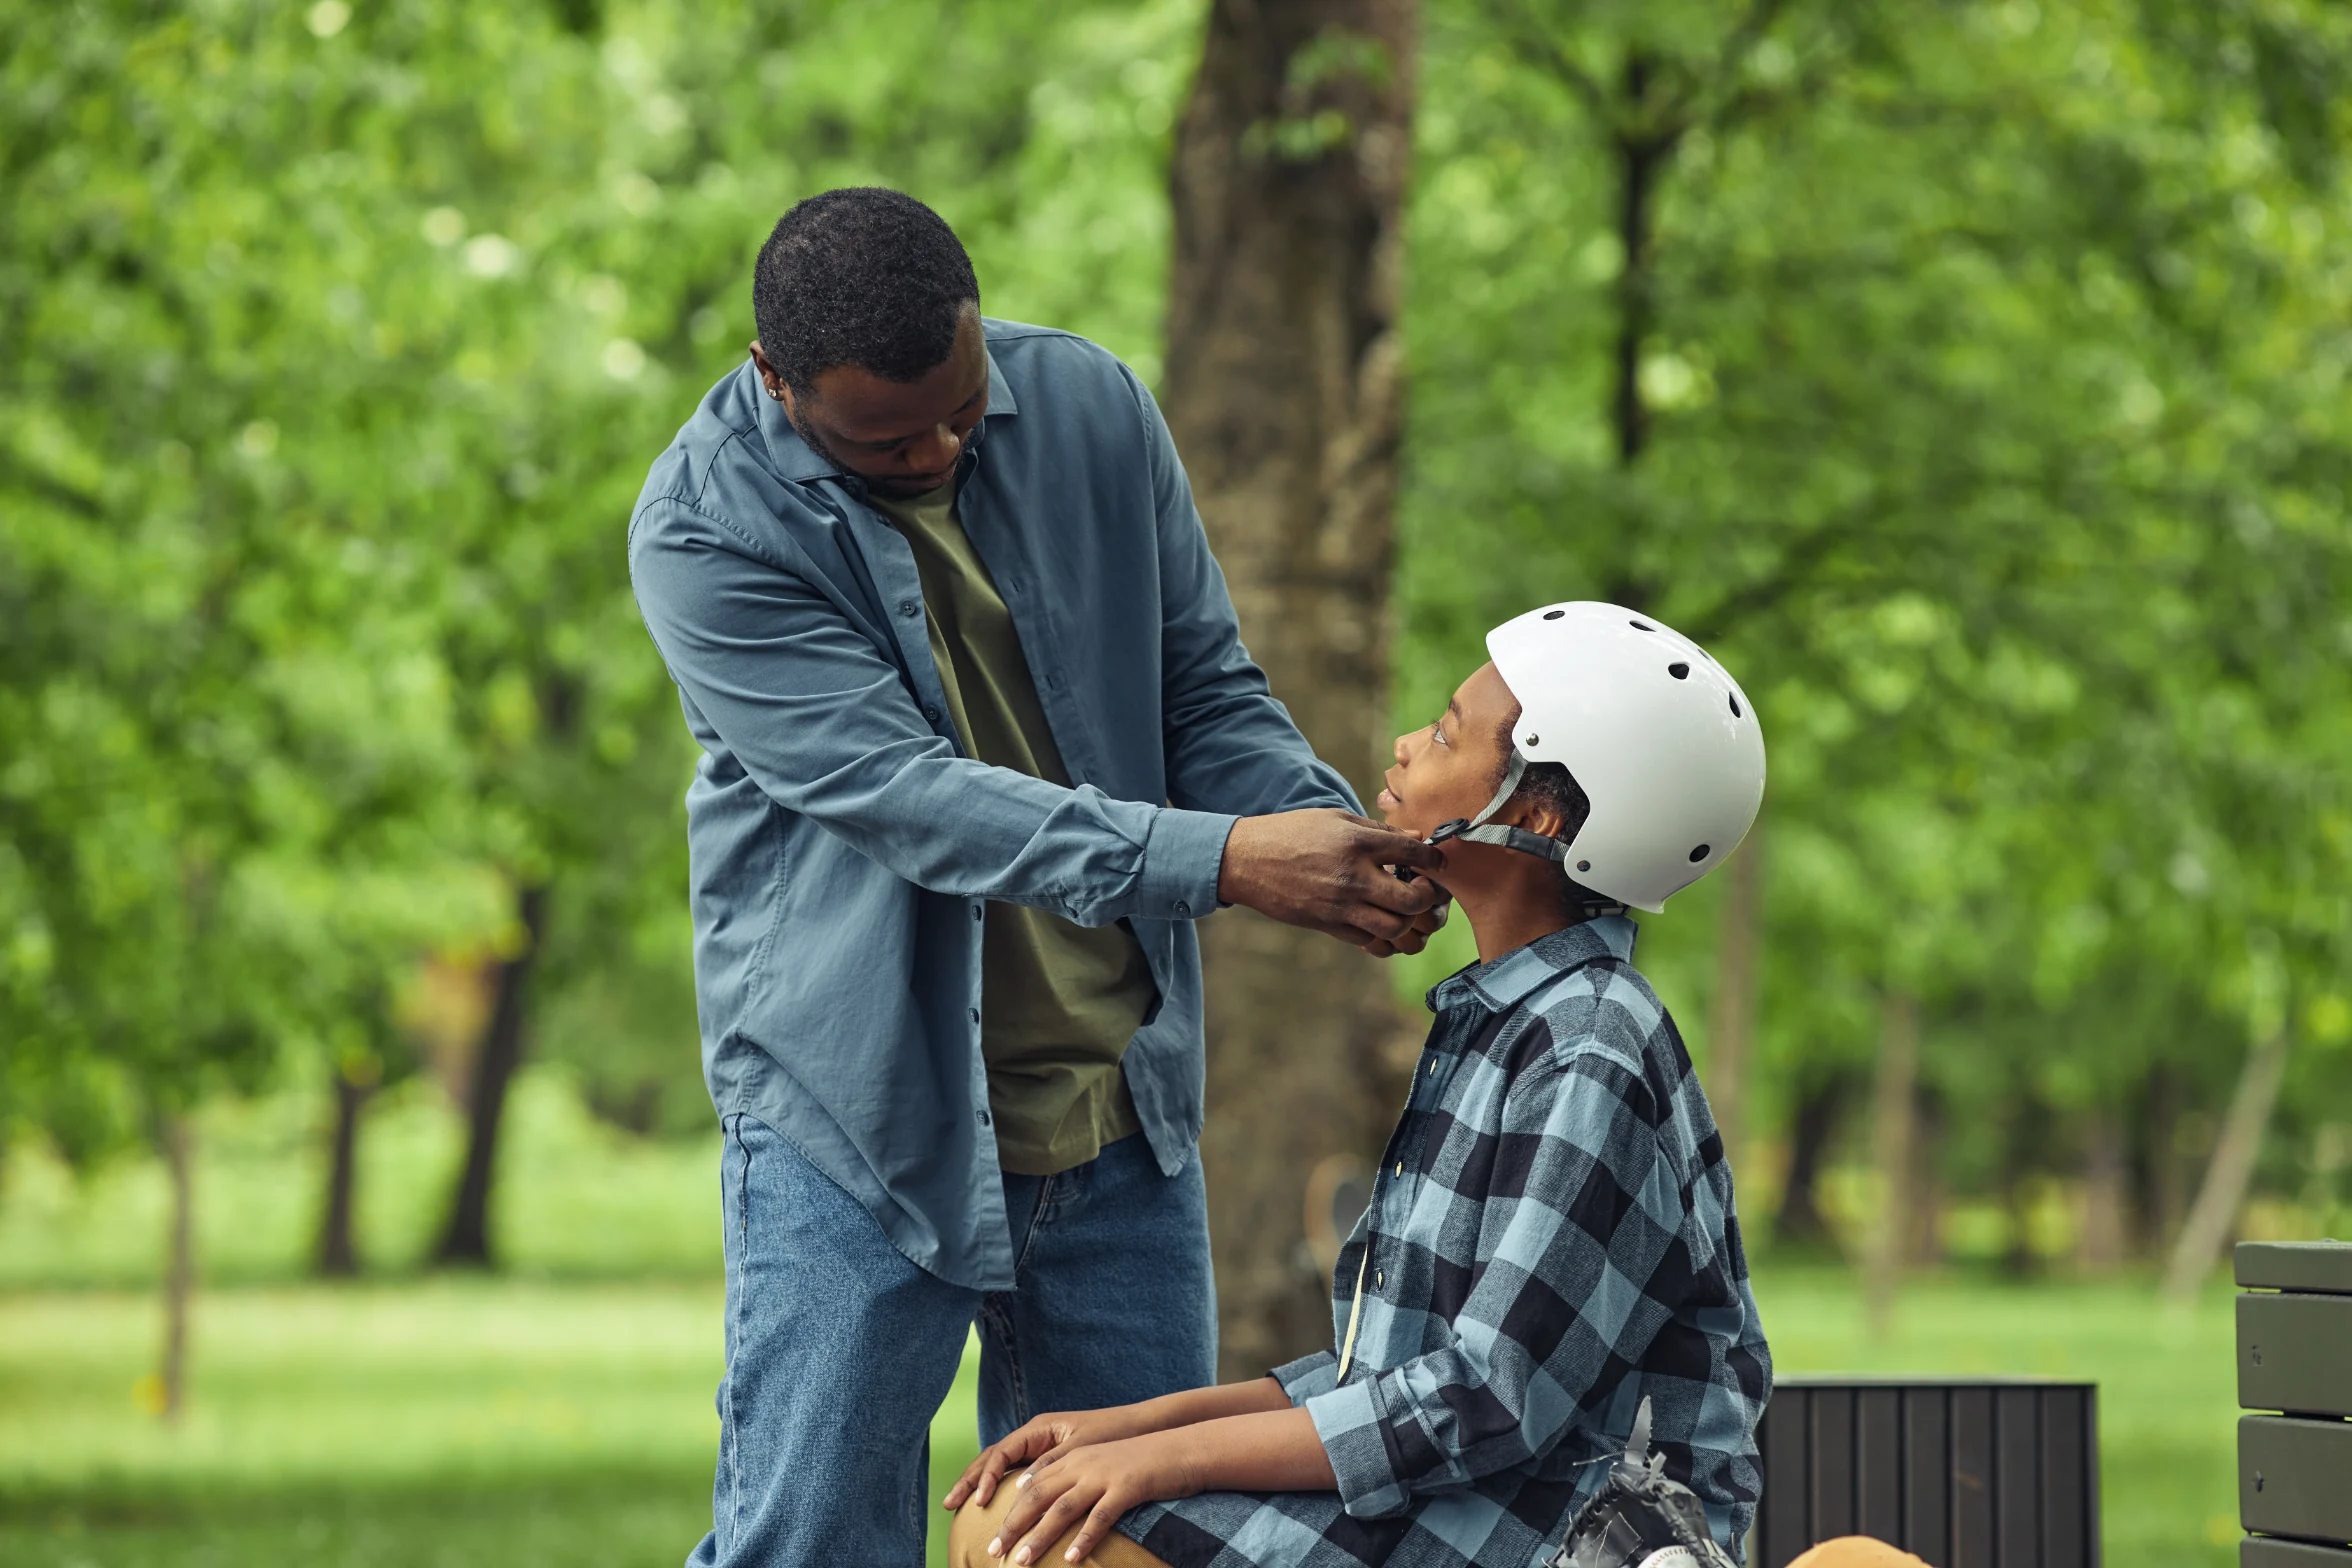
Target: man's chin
pixel 902 487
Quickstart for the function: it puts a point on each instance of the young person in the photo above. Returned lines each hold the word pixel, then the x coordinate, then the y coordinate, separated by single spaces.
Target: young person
pixel 1551 1239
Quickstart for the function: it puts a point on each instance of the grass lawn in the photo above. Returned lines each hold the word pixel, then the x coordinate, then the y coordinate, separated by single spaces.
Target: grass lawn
pixel 561 1414
pixel 519 1422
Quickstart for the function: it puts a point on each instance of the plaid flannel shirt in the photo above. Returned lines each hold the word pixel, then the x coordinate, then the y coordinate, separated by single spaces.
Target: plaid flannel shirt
pixel 1550 1240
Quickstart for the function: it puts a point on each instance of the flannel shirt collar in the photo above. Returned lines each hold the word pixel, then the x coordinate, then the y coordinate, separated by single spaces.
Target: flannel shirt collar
pixel 1503 983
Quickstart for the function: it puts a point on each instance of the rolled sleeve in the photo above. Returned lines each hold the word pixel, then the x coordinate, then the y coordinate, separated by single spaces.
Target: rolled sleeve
pixel 1308 1376
pixel 1349 1423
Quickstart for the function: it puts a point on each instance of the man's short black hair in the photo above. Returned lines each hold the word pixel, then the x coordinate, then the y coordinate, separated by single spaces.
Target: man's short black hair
pixel 861 276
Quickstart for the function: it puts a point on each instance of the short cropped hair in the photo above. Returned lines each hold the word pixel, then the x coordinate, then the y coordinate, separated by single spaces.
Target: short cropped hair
pixel 860 276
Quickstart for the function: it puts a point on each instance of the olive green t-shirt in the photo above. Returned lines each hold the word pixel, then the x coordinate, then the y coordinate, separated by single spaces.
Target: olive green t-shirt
pixel 1059 1001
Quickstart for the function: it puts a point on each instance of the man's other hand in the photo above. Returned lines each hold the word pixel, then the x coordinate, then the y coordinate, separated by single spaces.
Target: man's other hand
pixel 1332 871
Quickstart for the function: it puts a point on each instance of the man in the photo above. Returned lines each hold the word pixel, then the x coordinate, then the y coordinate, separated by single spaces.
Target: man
pixel 980 743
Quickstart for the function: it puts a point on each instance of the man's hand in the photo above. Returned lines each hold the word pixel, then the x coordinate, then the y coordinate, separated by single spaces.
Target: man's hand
pixel 1042 1439
pixel 1329 870
pixel 1091 1487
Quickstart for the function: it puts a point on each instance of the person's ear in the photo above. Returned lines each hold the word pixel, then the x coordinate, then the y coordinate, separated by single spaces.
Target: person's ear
pixel 769 378
pixel 1536 816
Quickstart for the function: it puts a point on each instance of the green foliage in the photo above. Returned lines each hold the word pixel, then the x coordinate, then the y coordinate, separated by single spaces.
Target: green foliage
pixel 1991 423
pixel 339 341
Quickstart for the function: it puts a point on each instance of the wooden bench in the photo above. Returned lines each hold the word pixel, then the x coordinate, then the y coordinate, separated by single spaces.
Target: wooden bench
pixel 2000 1473
pixel 2295 1360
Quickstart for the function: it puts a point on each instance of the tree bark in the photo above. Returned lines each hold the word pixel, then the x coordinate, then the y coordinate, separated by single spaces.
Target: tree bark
pixel 1893 1105
pixel 179 1276
pixel 465 1241
pixel 1731 1041
pixel 2231 1170
pixel 1283 394
pixel 338 1251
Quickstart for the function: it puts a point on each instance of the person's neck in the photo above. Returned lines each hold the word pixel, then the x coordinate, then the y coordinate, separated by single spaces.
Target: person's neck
pixel 1509 906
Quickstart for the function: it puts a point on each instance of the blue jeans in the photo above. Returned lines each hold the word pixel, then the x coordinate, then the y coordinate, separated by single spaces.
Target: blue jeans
pixel 839 1351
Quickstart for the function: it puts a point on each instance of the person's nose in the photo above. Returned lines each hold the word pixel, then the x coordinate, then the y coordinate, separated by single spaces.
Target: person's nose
pixel 1399 749
pixel 935 451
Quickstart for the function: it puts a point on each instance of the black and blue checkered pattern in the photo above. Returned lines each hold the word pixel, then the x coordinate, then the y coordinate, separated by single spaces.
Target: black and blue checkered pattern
pixel 1551 1240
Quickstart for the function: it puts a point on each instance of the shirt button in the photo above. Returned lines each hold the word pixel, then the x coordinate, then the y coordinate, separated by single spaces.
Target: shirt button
pixel 909 607
pixel 1380 1276
pixel 1183 909
pixel 975 1015
pixel 979 913
pixel 1400 1168
pixel 931 712
pixel 983 1118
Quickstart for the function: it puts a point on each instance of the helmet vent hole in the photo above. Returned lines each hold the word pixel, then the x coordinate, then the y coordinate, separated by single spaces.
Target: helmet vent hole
pixel 1679 671
pixel 1735 709
pixel 1641 626
pixel 1698 854
pixel 1584 865
pixel 1553 615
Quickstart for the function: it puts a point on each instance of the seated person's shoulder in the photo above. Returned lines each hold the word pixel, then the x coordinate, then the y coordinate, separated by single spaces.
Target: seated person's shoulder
pixel 1600 1022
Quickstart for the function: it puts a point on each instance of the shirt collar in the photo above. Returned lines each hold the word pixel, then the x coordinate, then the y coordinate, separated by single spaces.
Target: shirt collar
pixel 795 459
pixel 1502 983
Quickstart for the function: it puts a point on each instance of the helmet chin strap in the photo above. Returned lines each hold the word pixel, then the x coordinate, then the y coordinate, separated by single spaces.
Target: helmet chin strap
pixel 1479 830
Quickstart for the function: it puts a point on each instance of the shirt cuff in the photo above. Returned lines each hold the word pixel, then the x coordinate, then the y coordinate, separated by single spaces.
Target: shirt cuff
pixel 1182 854
pixel 1308 1376
pixel 1347 1421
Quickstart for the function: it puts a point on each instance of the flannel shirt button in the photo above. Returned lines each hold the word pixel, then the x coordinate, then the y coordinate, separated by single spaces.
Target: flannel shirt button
pixel 975 1015
pixel 930 712
pixel 1183 909
pixel 1380 1276
pixel 983 1115
pixel 979 913
pixel 909 608
pixel 1400 1167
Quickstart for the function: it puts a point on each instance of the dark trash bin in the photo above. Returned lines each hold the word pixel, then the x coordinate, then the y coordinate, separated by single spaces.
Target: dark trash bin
pixel 1980 1473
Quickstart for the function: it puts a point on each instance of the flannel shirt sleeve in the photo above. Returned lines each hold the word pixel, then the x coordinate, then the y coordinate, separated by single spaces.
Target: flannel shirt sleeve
pixel 1308 1376
pixel 1567 1292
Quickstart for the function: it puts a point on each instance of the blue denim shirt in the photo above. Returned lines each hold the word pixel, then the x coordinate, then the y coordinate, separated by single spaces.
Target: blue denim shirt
pixel 843 847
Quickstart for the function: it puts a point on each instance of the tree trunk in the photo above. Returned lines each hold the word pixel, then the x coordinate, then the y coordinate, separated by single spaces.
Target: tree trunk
pixel 179 1275
pixel 1283 395
pixel 465 1242
pixel 338 1253
pixel 1893 1104
pixel 1800 1222
pixel 1923 1242
pixel 2231 1170
pixel 1731 1042
pixel 2163 1194
pixel 2101 1246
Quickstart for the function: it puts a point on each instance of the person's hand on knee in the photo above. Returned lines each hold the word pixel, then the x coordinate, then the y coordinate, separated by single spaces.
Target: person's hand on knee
pixel 1040 1439
pixel 1087 1488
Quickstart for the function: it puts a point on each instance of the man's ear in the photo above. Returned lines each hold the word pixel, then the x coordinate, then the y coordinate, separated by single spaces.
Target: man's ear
pixel 768 377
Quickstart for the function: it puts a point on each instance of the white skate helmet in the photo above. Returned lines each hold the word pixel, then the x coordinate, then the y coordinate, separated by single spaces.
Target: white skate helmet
pixel 1662 740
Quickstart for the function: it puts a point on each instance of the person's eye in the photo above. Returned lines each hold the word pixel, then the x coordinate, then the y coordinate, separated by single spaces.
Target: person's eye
pixel 1437 731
